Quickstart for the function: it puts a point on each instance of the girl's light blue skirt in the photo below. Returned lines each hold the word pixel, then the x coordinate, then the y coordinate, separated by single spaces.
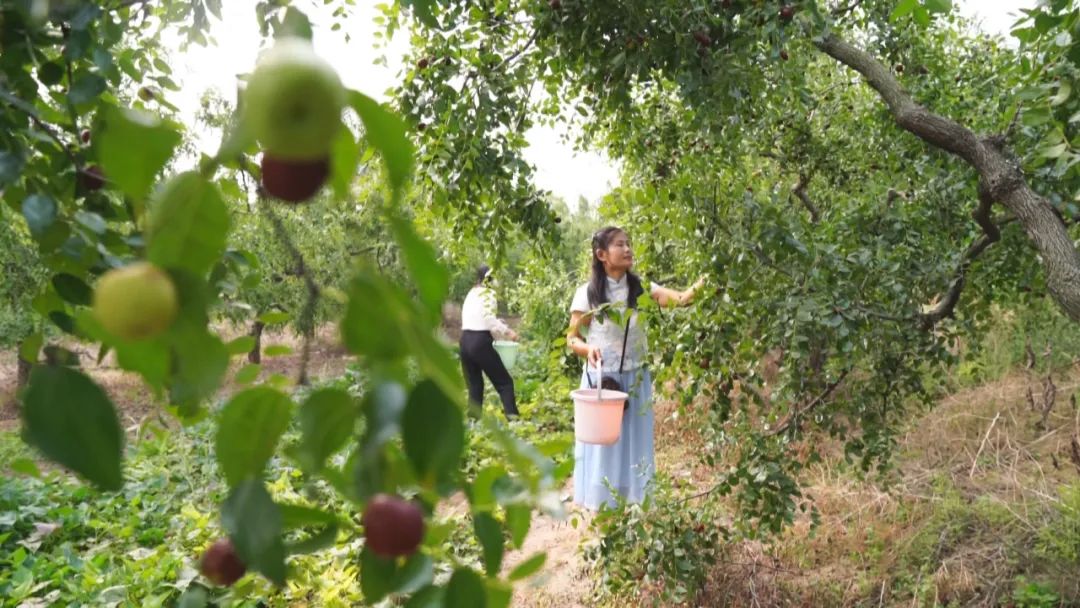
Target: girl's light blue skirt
pixel 628 464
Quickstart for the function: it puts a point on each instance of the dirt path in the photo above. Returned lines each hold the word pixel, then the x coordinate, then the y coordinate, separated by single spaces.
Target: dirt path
pixel 564 580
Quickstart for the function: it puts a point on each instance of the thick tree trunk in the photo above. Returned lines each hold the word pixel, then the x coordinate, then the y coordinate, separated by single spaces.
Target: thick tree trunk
pixel 1001 179
pixel 22 374
pixel 255 356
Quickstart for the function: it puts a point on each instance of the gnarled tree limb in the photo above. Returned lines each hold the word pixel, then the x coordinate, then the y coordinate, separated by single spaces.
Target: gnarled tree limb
pixel 991 234
pixel 1001 179
pixel 800 193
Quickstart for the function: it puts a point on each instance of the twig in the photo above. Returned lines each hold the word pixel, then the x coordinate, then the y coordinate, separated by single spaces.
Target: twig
pixel 975 461
pixel 800 193
pixel 29 110
pixel 799 411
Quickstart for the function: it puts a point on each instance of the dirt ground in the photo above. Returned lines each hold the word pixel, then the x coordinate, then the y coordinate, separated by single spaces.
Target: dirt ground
pixel 135 401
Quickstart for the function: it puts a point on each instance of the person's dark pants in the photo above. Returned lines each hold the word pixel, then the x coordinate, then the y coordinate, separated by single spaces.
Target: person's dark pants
pixel 478 357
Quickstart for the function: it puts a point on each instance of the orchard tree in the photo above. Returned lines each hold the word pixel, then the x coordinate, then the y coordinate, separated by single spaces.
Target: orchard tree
pixel 139 255
pixel 848 173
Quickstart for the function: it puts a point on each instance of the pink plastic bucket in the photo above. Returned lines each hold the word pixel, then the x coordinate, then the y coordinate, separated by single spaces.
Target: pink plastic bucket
pixel 598 415
pixel 597 419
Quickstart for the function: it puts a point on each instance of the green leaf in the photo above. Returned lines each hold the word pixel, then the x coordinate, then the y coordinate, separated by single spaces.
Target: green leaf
pixel 11 166
pixel 430 276
pixel 375 318
pixel 518 519
pixel 50 73
pixel 72 289
pixel 133 147
pixel 200 362
pixel 327 420
pixel 433 429
pixel 345 159
pixel 903 8
pixel 428 597
pixel 30 347
pixel 188 226
pixel 465 590
pixel 324 538
pixel 1063 94
pixel 194 597
pixel 1054 151
pixel 86 88
pixel 489 533
pixel 40 212
pixel 247 374
pixel 938 6
pixel 418 572
pixel 73 422
pixel 241 345
pixel 383 406
pixel 422 10
pixel 25 466
pixel 922 16
pixel 296 516
pixel 248 431
pixel 499 593
pixel 480 494
pixel 294 24
pixel 277 350
pixel 274 318
pixel 253 522
pixel 148 358
pixel 528 567
pixel 387 133
pixel 92 222
pixel 376 575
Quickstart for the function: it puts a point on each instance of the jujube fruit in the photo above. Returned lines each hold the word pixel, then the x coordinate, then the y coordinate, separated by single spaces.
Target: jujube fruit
pixel 221 564
pixel 92 178
pixel 293 101
pixel 135 302
pixel 393 526
pixel 293 180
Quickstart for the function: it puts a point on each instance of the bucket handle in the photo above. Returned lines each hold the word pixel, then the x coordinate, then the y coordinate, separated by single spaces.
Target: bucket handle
pixel 599 380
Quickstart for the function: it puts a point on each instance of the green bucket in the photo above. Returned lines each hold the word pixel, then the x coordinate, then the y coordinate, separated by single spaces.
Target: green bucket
pixel 508 352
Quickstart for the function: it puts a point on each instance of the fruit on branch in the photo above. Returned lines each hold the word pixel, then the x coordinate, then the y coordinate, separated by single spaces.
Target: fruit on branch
pixel 787 12
pixel 784 55
pixel 148 93
pixel 293 102
pixel 555 4
pixel 393 526
pixel 221 564
pixel 293 180
pixel 85 136
pixel 703 38
pixel 136 302
pixel 423 64
pixel 92 178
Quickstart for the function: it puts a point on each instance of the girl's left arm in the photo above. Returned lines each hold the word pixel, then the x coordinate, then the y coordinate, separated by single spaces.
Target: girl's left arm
pixel 673 297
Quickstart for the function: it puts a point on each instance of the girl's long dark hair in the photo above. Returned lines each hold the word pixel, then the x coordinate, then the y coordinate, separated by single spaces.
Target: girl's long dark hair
pixel 598 281
pixel 482 272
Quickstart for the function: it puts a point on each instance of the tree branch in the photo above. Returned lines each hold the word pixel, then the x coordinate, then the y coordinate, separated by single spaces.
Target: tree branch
pixel 801 410
pixel 800 193
pixel 1001 178
pixel 946 305
pixel 29 110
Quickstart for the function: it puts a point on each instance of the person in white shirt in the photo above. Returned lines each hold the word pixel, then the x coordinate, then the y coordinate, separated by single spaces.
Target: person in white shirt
pixel 620 350
pixel 478 356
